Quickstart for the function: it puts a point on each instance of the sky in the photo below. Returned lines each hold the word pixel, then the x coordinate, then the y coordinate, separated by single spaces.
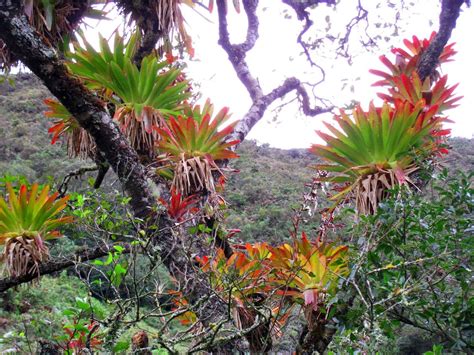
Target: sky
pixel 276 56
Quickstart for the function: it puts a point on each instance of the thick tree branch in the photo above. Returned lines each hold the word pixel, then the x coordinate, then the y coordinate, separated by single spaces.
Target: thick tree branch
pixel 61 264
pixel 237 56
pixel 147 45
pixel 238 52
pixel 89 111
pixel 450 10
pixel 258 108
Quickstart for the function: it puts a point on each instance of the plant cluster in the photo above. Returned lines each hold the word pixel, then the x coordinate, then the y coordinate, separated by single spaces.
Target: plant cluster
pixel 150 105
pixel 304 272
pixel 376 150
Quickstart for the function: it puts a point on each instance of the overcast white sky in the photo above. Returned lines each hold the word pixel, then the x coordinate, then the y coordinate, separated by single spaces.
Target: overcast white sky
pixel 277 56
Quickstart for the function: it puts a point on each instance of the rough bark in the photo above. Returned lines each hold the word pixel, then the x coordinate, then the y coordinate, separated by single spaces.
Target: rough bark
pixel 316 340
pixel 450 10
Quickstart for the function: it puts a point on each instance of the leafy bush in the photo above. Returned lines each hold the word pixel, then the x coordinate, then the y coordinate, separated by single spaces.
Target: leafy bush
pixel 414 267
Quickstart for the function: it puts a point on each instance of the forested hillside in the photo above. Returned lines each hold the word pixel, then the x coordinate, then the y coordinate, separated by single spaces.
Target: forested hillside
pixel 136 218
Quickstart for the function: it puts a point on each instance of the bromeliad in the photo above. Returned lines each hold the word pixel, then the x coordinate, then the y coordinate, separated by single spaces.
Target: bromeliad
pixel 308 272
pixel 79 142
pixel 193 144
pixel 305 273
pixel 26 222
pixel 243 276
pixel 406 61
pixel 178 207
pixel 374 151
pixel 142 95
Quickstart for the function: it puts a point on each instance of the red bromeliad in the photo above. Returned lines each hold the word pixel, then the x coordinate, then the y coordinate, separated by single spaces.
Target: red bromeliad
pixel 406 61
pixel 178 207
pixel 79 142
pixel 306 273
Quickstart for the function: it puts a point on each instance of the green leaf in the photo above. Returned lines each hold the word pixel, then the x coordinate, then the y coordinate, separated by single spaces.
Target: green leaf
pixel 82 304
pixel 121 346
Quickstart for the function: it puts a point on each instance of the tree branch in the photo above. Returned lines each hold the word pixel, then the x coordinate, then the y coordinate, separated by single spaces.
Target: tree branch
pixel 300 8
pixel 61 264
pixel 237 56
pixel 450 10
pixel 237 53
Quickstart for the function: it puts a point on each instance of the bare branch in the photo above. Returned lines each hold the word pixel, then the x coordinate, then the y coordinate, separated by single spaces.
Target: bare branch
pixel 300 8
pixel 258 108
pixel 362 15
pixel 237 53
pixel 62 189
pixel 237 56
